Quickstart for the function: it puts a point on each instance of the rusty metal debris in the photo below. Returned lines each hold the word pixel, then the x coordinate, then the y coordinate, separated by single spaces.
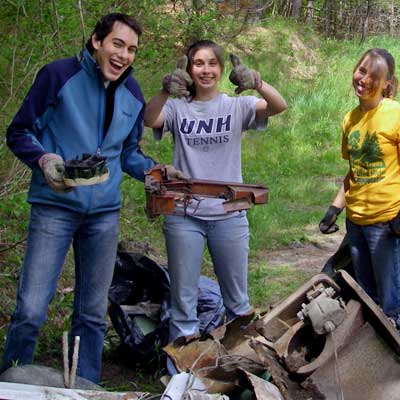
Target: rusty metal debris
pixel 327 340
pixel 162 194
pixel 262 389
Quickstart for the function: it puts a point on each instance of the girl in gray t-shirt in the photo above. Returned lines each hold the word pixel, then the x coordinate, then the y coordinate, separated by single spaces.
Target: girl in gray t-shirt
pixel 207 126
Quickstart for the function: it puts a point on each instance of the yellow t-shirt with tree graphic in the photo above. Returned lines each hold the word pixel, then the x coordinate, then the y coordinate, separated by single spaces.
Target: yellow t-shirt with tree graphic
pixel 371 144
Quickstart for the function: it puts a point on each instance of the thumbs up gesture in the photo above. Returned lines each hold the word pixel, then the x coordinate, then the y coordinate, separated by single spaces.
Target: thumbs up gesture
pixel 243 77
pixel 176 83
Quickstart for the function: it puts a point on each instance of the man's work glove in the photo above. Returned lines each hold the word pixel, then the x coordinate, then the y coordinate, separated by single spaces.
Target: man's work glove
pixel 243 77
pixel 173 173
pixel 176 84
pixel 52 166
pixel 328 223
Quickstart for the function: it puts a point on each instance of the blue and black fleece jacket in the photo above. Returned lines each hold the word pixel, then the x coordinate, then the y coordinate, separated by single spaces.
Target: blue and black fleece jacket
pixel 64 113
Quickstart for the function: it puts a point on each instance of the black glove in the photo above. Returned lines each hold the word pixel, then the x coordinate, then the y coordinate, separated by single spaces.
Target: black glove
pixel 327 224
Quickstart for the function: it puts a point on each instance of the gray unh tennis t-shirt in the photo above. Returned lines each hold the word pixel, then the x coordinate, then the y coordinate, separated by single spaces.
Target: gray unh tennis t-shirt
pixel 207 138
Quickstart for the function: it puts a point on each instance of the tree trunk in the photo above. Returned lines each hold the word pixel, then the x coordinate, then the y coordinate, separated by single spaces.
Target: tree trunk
pixel 310 11
pixel 326 17
pixel 296 9
pixel 333 18
pixel 365 23
pixel 391 19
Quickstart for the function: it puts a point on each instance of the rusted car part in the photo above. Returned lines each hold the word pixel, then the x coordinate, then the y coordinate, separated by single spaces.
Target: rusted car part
pixel 324 312
pixel 372 312
pixel 308 353
pixel 162 193
pixel 327 340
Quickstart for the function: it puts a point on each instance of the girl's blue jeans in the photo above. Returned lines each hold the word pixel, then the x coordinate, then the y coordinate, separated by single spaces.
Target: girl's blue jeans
pixel 228 245
pixel 95 239
pixel 375 253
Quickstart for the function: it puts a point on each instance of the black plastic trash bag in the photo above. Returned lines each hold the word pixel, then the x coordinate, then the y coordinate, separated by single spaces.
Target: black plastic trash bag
pixel 341 259
pixel 139 305
pixel 139 285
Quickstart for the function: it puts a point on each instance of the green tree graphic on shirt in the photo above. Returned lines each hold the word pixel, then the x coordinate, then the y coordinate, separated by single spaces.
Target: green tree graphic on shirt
pixel 354 143
pixel 366 159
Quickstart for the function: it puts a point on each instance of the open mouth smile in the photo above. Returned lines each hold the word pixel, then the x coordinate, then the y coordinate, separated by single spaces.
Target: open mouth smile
pixel 116 66
pixel 206 80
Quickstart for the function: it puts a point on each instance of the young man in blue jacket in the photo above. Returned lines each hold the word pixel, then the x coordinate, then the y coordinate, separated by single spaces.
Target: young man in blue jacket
pixel 85 104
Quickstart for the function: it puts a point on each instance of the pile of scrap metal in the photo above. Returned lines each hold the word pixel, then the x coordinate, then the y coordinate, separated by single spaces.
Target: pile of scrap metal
pixel 164 194
pixel 327 340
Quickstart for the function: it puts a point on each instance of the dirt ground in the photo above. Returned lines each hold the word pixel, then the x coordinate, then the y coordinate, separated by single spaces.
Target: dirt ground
pixel 310 256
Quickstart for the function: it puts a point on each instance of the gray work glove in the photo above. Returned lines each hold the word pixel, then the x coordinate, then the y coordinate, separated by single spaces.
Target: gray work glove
pixel 173 173
pixel 243 77
pixel 177 83
pixel 328 223
pixel 52 166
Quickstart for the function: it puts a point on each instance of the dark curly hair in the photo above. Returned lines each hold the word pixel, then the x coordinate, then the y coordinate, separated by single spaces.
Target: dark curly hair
pixel 106 24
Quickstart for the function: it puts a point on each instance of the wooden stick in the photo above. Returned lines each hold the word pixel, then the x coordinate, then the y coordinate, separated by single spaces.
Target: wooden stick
pixel 74 362
pixel 65 359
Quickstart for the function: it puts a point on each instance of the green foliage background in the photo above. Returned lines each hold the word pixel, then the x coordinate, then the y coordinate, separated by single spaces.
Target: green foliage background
pixel 297 157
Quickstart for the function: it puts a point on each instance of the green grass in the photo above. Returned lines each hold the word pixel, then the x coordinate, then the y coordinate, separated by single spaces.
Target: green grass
pixel 268 285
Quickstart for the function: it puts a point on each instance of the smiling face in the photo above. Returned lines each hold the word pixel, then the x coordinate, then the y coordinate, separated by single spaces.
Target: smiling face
pixel 370 80
pixel 116 52
pixel 205 71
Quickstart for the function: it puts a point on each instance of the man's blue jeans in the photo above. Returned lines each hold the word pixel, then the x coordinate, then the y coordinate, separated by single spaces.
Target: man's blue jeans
pixel 228 244
pixel 375 253
pixel 95 240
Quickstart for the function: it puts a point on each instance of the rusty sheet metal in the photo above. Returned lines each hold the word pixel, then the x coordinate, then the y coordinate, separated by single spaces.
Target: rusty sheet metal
pixel 209 360
pixel 198 356
pixel 195 355
pixel 226 368
pixel 215 360
pixel 300 351
pixel 237 330
pixel 281 346
pixel 262 389
pixel 290 389
pixel 372 312
pixel 368 370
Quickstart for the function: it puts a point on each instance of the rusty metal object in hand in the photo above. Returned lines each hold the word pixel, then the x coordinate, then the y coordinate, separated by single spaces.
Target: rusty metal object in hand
pixel 162 193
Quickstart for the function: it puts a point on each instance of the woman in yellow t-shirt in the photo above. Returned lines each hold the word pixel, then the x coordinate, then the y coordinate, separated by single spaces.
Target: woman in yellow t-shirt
pixel 371 189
